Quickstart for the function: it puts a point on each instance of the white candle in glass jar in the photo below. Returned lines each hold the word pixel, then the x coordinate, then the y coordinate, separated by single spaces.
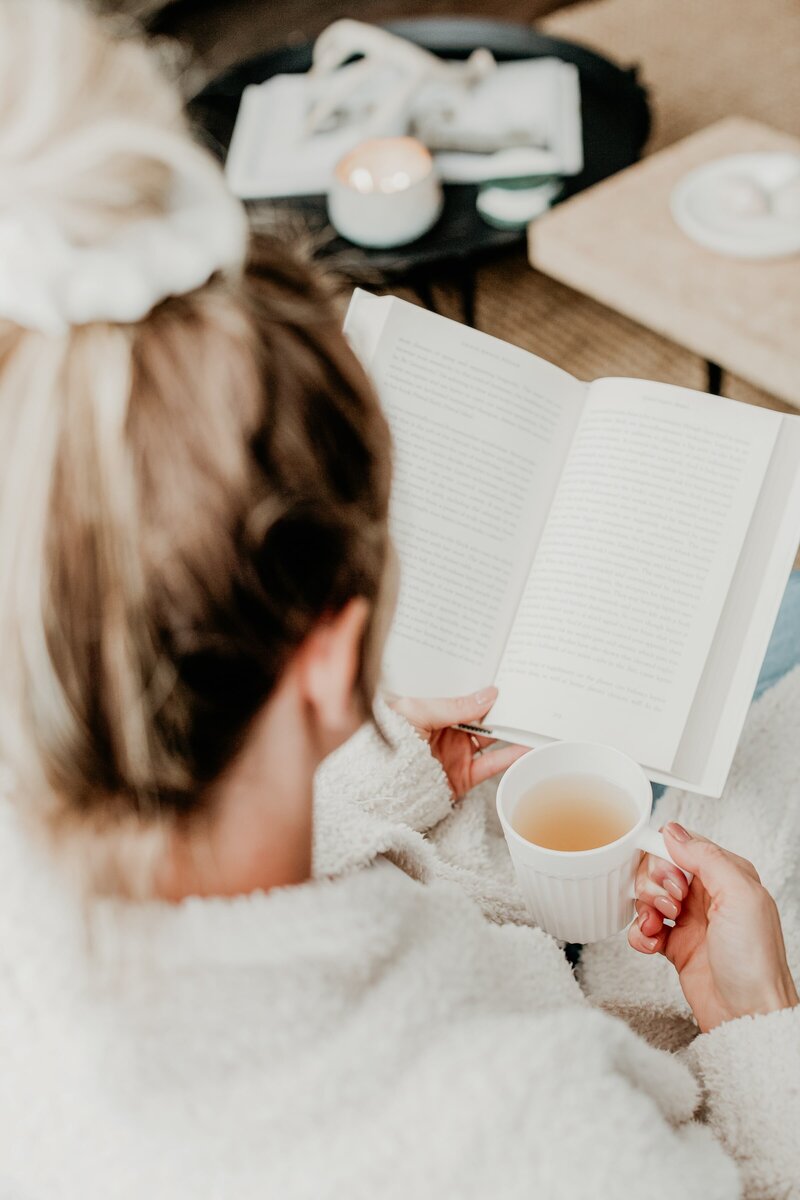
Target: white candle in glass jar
pixel 385 193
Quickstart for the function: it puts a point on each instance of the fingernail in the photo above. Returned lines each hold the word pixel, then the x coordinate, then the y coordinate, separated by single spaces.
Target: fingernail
pixel 651 943
pixel 486 697
pixel 668 907
pixel 673 888
pixel 678 832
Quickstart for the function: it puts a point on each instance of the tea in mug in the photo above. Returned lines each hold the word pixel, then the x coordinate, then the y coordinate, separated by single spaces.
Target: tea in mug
pixel 574 812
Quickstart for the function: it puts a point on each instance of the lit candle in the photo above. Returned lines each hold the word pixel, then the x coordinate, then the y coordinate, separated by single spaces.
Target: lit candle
pixel 385 193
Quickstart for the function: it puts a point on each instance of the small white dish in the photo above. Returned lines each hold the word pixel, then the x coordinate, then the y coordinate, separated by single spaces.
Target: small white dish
pixel 386 192
pixel 742 205
pixel 513 207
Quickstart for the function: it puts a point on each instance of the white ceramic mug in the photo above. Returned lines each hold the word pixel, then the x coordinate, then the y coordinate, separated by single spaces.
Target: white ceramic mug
pixel 579 895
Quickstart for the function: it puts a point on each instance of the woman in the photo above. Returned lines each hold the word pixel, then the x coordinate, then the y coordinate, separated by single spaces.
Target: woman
pixel 193 597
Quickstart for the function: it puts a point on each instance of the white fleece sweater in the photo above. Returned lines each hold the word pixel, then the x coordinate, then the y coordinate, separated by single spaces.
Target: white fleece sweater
pixel 371 1033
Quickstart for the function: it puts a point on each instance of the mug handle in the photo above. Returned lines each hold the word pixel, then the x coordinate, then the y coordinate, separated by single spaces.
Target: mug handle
pixel 652 842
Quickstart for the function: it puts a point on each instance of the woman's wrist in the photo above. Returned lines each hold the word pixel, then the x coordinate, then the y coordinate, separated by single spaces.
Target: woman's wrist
pixel 777 996
pixel 782 995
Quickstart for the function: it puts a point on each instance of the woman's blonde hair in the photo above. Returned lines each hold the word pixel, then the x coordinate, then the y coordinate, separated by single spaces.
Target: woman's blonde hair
pixel 181 499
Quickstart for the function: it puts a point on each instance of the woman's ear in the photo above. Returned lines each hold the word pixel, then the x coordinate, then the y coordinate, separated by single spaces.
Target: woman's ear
pixel 327 666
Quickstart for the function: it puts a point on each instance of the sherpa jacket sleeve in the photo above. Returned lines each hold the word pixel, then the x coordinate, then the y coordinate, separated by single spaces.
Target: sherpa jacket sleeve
pixel 750 1072
pixel 375 796
pixel 398 779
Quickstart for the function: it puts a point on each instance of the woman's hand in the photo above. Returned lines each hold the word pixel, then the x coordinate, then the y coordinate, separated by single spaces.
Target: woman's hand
pixel 467 758
pixel 726 945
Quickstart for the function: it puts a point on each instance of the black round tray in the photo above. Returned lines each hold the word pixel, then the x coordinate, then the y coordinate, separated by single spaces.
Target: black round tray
pixel 616 122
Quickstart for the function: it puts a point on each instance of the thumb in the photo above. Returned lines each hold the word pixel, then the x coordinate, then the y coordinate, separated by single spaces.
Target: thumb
pixel 440 713
pixel 717 869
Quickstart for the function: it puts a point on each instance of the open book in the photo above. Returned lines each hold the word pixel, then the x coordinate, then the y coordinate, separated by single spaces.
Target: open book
pixel 612 555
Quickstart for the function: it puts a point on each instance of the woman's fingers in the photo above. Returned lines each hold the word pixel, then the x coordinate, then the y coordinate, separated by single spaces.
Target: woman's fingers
pixel 718 870
pixel 661 886
pixel 491 762
pixel 647 933
pixel 649 918
pixel 667 907
pixel 440 713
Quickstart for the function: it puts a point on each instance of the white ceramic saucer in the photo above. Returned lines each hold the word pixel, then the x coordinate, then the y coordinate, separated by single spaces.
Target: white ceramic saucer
pixel 717 205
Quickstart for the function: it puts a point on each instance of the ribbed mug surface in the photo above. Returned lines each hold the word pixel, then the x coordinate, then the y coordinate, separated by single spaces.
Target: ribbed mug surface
pixel 580 910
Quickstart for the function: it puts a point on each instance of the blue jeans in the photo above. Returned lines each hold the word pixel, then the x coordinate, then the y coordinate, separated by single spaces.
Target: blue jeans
pixel 783 651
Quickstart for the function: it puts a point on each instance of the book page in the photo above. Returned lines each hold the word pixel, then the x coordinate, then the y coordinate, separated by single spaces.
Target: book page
pixel 726 688
pixel 634 566
pixel 480 432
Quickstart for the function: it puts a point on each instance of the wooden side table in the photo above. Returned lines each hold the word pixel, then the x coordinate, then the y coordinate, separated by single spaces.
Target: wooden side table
pixel 619 244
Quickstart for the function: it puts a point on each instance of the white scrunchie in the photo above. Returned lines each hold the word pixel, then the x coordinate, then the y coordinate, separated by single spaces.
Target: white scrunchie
pixel 49 283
